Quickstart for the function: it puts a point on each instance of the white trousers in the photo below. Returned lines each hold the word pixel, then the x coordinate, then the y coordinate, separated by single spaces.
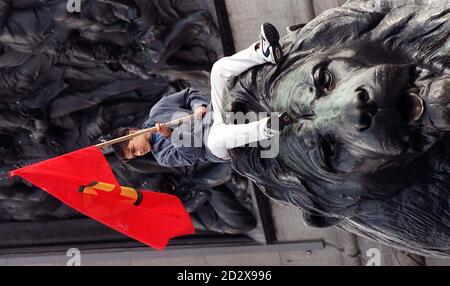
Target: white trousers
pixel 222 136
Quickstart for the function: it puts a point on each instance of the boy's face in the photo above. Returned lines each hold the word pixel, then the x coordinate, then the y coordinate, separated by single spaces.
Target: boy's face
pixel 138 146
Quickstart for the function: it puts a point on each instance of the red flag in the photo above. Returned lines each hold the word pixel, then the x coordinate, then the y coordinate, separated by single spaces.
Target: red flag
pixel 84 181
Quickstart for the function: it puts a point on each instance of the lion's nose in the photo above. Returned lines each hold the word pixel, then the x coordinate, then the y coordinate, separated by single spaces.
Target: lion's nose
pixel 366 108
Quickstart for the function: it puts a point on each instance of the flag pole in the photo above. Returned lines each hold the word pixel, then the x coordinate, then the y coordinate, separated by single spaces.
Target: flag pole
pixel 143 132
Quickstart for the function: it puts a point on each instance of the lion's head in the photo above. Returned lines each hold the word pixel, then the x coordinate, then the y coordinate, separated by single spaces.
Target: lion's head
pixel 368 87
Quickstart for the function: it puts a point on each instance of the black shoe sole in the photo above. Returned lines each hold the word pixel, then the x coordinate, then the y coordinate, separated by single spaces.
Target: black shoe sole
pixel 273 37
pixel 271 33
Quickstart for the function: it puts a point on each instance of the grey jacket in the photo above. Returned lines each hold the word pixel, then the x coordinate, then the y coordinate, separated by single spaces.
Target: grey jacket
pixel 169 152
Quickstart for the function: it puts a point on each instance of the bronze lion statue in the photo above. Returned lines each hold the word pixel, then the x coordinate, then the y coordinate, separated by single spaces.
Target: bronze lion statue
pixel 368 88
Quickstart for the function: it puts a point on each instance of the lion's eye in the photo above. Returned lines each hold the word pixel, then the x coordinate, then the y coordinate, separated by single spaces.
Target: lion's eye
pixel 323 79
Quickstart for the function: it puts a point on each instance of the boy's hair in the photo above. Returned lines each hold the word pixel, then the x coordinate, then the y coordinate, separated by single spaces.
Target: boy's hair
pixel 120 147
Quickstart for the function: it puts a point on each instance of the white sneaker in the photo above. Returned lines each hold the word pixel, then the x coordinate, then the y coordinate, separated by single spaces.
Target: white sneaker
pixel 269 45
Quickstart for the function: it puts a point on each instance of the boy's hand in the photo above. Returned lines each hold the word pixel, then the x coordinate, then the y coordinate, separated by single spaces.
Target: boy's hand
pixel 163 129
pixel 200 112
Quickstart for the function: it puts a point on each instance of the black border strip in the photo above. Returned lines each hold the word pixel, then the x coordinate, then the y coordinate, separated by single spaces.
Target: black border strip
pixel 224 27
pixel 265 213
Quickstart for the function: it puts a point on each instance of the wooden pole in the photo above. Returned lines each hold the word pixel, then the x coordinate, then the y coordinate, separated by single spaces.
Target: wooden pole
pixel 143 132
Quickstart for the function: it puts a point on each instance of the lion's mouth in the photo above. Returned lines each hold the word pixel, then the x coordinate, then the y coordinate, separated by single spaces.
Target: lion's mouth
pixel 425 101
pixel 411 105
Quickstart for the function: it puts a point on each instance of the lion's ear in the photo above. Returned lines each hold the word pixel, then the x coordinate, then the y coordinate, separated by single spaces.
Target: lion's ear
pixel 292 34
pixel 294 28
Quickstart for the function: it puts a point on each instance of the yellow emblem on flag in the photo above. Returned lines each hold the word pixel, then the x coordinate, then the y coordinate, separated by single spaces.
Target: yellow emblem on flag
pixel 127 192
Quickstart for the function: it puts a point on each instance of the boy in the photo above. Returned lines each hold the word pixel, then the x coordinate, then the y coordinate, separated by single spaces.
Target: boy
pixel 219 136
pixel 162 144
